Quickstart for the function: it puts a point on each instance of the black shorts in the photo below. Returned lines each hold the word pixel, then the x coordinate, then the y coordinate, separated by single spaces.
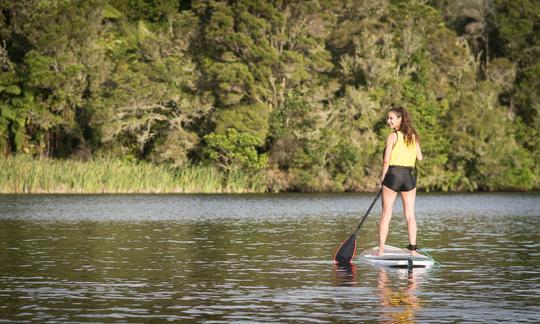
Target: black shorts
pixel 399 178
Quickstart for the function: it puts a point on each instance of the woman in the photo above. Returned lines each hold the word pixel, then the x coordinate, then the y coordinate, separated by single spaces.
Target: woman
pixel 400 154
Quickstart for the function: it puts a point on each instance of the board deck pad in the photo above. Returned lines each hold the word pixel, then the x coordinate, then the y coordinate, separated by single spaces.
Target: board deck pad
pixel 396 257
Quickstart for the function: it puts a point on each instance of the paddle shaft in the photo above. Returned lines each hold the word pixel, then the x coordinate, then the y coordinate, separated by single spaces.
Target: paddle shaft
pixel 368 211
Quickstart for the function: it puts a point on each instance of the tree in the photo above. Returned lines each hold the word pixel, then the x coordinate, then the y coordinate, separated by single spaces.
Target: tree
pixel 295 90
pixel 53 43
pixel 235 150
pixel 256 52
pixel 156 111
pixel 473 20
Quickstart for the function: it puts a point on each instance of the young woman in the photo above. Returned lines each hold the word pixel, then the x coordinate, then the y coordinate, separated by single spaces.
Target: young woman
pixel 400 155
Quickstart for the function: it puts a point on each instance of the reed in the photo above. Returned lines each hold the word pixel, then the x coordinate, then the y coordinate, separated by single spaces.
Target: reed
pixel 23 174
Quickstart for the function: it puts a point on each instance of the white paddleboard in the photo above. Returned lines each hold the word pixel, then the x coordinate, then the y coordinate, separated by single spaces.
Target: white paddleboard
pixel 396 257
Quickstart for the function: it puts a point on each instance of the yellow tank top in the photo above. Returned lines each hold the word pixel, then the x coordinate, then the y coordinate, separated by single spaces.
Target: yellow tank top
pixel 403 154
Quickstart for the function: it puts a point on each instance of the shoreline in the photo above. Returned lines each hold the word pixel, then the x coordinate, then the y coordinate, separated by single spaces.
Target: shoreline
pixel 27 175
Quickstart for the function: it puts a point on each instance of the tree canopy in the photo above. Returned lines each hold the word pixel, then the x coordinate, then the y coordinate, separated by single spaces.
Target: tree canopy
pixel 297 90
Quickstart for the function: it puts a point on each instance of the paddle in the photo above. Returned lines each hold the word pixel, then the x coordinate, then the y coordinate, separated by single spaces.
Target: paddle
pixel 347 250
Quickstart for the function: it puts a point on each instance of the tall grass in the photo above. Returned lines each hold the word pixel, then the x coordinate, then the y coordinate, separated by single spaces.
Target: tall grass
pixel 23 174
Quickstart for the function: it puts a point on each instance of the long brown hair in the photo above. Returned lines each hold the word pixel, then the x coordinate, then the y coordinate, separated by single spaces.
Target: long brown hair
pixel 409 133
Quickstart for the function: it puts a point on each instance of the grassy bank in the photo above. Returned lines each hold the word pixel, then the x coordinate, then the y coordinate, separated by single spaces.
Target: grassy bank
pixel 22 174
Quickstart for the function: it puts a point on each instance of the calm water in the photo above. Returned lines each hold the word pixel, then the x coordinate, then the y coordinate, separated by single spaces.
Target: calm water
pixel 262 258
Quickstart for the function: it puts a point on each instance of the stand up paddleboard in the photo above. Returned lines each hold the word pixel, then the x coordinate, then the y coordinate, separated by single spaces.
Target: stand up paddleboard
pixel 396 258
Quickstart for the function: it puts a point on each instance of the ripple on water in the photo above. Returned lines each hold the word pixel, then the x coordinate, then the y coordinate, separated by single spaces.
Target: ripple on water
pixel 262 258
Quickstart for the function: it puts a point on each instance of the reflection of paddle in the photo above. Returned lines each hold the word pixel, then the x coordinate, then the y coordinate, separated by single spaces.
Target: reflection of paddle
pixel 347 250
pixel 345 275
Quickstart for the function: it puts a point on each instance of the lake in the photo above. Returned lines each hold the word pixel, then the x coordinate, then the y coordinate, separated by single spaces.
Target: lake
pixel 263 258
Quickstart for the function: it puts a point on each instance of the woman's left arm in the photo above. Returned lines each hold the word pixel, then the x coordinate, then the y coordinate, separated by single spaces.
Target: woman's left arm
pixel 390 142
pixel 419 155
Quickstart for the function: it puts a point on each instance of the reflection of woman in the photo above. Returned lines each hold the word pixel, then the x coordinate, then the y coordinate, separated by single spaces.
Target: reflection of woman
pixel 399 305
pixel 400 155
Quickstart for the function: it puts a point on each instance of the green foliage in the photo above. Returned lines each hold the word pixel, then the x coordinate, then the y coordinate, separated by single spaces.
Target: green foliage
pixel 489 159
pixel 526 94
pixel 235 150
pixel 151 10
pixel 24 174
pixel 147 107
pixel 518 23
pixel 282 95
pixel 252 119
pixel 111 12
pixel 291 118
pixel 15 108
pixel 450 55
pixel 234 82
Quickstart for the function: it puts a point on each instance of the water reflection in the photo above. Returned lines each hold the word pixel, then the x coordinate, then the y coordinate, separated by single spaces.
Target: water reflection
pixel 234 258
pixel 345 275
pixel 399 304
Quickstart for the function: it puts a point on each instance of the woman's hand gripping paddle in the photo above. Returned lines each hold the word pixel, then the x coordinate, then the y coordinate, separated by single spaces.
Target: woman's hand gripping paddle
pixel 347 250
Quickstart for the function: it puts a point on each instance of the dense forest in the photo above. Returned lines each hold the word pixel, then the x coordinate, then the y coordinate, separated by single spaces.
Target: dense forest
pixel 293 91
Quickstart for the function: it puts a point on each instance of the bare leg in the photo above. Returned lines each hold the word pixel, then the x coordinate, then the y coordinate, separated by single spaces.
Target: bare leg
pixel 388 200
pixel 408 198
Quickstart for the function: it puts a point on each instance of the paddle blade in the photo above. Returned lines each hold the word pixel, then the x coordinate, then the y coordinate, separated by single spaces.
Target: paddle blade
pixel 346 251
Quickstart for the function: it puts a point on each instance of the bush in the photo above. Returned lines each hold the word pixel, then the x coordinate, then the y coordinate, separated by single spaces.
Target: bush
pixel 235 150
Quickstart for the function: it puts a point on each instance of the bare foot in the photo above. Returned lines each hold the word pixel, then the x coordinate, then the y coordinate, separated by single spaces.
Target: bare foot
pixel 414 253
pixel 378 253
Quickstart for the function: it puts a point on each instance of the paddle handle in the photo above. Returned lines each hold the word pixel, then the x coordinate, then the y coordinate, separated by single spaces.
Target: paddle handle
pixel 368 211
